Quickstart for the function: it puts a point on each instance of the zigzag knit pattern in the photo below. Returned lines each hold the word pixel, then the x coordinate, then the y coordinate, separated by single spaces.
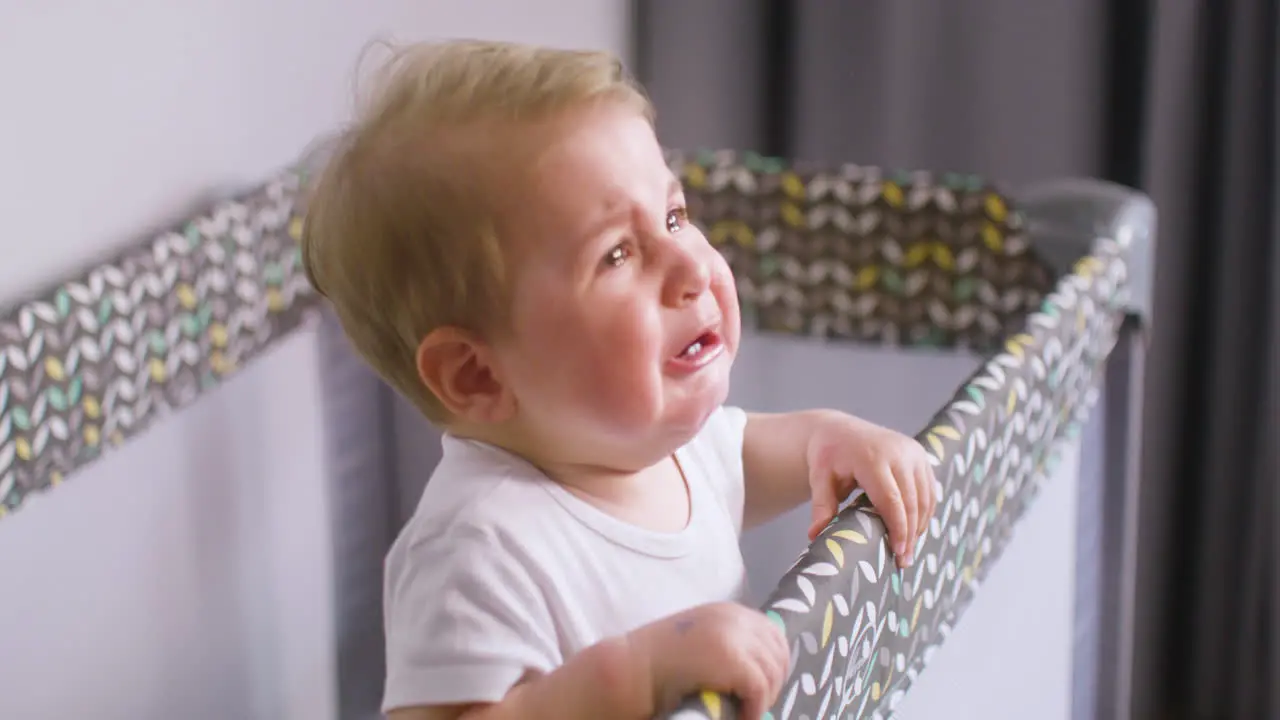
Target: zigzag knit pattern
pixel 101 357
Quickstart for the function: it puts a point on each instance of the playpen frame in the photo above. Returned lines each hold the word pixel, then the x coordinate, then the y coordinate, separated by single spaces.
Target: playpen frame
pixel 92 362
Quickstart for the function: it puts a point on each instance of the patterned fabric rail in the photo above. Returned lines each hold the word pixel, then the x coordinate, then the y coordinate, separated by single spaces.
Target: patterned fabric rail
pixel 860 629
pixel 99 358
pixel 857 254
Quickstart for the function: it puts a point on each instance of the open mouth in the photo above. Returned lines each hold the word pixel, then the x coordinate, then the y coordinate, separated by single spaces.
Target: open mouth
pixel 705 347
pixel 700 346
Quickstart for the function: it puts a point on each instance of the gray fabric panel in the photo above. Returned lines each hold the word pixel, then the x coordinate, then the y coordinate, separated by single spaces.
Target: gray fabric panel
pixel 1091 523
pixel 361 454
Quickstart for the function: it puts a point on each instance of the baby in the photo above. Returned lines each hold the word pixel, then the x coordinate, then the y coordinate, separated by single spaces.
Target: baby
pixel 503 242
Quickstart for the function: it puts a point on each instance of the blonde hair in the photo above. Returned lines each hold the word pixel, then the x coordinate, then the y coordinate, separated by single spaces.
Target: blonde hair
pixel 399 232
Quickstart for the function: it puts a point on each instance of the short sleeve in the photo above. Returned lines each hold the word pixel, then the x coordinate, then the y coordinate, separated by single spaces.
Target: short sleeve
pixel 464 622
pixel 720 444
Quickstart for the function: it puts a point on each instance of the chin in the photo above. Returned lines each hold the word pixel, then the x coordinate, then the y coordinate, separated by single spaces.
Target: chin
pixel 690 413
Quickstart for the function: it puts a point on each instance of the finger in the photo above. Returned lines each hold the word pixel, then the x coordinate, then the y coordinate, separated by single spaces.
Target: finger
pixel 752 691
pixel 825 502
pixel 778 660
pixel 775 674
pixel 906 481
pixel 934 497
pixel 924 508
pixel 772 673
pixel 886 496
pixel 924 480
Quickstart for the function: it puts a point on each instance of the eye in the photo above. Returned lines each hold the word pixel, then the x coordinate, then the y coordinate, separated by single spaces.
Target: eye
pixel 617 256
pixel 677 218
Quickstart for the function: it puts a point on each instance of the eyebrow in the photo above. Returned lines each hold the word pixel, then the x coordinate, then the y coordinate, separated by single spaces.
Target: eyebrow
pixel 611 218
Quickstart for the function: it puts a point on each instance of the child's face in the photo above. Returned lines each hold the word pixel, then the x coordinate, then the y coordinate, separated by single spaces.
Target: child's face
pixel 625 320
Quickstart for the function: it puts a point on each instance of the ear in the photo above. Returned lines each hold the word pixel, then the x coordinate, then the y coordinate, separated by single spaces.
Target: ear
pixel 461 370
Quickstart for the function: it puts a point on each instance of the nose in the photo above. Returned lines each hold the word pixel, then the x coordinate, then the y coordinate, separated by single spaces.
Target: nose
pixel 688 275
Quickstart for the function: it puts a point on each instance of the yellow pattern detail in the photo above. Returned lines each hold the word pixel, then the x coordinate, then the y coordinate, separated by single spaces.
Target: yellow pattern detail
pixel 295 228
pixel 91 407
pixel 936 251
pixel 917 254
pixel 853 536
pixel 218 335
pixel 892 194
pixel 946 431
pixel 186 296
pixel 943 258
pixel 791 215
pixel 1086 266
pixel 996 209
pixel 53 368
pixel 695 176
pixel 1012 403
pixel 934 443
pixel 875 691
pixel 792 185
pixel 915 614
pixel 992 237
pixel 827 619
pixel 836 551
pixel 275 301
pixel 23 448
pixel 739 232
pixel 158 373
pixel 220 364
pixel 712 701
pixel 977 563
pixel 55 478
pixel 867 277
pixel 91 435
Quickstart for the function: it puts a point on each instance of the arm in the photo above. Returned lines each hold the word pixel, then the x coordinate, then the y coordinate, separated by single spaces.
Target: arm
pixel 605 680
pixel 775 464
pixel 719 646
pixel 823 455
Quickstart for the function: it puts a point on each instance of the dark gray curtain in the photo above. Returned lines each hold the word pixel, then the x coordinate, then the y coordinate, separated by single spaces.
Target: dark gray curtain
pixel 1208 615
pixel 1176 97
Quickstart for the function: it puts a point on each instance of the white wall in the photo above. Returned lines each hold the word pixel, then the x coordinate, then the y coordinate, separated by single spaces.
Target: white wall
pixel 187 575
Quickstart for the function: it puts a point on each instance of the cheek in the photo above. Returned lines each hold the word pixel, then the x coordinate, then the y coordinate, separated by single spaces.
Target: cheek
pixel 596 357
pixel 725 289
pixel 618 355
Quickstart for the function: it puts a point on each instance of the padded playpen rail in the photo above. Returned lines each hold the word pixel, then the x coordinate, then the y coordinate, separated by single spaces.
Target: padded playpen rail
pixel 1041 284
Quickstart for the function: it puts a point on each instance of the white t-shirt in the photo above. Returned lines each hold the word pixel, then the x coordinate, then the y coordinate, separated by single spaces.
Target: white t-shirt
pixel 502 572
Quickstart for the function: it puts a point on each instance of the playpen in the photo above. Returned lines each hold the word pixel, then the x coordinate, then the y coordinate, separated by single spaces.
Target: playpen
pixel 1044 283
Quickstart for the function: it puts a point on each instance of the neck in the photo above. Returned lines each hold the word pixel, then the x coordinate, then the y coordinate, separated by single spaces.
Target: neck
pixel 608 479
